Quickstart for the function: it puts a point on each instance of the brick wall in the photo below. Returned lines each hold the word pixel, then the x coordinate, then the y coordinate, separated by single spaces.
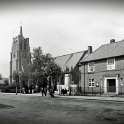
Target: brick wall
pixel 100 73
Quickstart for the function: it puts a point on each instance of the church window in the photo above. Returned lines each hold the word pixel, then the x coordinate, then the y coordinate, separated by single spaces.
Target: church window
pixel 14 55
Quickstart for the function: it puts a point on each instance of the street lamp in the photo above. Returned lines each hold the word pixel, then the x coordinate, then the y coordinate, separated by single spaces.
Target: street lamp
pixel 20 81
pixel 121 84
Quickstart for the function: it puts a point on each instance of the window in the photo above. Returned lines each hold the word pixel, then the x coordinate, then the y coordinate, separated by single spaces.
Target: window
pixel 91 67
pixel 110 64
pixel 91 83
pixel 14 55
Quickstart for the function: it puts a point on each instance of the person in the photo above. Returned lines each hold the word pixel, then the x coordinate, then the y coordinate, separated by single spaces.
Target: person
pixel 42 91
pixel 70 90
pixel 51 91
pixel 64 92
pixel 23 90
pixel 44 86
pixel 45 90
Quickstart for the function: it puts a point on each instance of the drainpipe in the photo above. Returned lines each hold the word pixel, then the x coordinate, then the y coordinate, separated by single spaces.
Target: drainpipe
pixel 84 78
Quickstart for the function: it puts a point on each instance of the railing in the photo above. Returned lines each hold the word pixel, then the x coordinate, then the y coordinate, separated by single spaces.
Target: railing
pixel 98 91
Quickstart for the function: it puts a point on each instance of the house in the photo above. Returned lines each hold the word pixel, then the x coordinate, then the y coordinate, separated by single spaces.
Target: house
pixel 69 64
pixel 102 71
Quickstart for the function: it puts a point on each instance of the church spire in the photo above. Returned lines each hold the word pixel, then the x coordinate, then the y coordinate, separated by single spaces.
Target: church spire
pixel 21 33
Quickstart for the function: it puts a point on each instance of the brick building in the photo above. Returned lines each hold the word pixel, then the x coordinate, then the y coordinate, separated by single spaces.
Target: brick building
pixel 102 71
pixel 20 54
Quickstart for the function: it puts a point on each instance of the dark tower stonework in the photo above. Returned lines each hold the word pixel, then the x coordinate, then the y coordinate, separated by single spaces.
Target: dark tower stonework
pixel 20 56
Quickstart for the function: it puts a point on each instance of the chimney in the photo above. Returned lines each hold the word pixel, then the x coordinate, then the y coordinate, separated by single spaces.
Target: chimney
pixel 89 49
pixel 112 41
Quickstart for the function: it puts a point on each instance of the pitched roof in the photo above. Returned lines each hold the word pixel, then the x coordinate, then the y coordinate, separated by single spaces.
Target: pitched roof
pixel 106 51
pixel 69 60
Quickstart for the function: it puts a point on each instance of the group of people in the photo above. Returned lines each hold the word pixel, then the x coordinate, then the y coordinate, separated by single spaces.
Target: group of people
pixel 47 87
pixel 44 91
pixel 64 91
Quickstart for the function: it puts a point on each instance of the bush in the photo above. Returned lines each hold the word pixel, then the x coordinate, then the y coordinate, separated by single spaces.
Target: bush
pixel 10 89
pixel 37 90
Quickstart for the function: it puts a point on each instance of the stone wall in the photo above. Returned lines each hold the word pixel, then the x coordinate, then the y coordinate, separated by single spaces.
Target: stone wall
pixel 20 55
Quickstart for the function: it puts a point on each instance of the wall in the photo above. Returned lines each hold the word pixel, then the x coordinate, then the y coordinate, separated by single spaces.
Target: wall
pixel 100 73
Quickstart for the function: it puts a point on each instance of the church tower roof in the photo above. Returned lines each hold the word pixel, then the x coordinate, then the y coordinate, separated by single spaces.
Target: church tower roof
pixel 21 33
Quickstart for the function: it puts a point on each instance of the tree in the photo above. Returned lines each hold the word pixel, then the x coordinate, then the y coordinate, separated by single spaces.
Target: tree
pixel 75 77
pixel 38 65
pixel 6 82
pixel 54 71
pixel 0 76
pixel 44 68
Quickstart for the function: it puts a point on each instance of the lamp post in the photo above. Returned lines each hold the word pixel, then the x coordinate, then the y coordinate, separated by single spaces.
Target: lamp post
pixel 16 88
pixel 121 85
pixel 20 81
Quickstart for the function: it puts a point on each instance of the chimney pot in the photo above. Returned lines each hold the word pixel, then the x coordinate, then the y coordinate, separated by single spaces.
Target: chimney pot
pixel 112 41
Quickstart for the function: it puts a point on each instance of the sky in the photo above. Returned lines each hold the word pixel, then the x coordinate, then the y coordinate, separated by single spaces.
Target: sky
pixel 59 27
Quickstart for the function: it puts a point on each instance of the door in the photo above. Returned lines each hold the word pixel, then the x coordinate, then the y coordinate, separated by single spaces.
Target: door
pixel 111 85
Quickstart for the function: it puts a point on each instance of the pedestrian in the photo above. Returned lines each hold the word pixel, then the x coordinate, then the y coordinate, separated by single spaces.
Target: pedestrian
pixel 70 91
pixel 51 91
pixel 23 90
pixel 42 91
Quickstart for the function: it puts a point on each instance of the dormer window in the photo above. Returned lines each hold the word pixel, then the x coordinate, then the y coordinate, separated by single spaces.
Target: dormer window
pixel 111 64
pixel 91 67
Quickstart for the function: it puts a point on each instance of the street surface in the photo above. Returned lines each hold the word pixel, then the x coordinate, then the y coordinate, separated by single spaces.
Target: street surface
pixel 21 109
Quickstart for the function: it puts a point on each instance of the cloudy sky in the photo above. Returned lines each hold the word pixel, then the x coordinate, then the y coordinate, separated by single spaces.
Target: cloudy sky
pixel 59 27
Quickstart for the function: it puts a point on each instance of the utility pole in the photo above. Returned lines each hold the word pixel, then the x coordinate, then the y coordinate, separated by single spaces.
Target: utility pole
pixel 84 79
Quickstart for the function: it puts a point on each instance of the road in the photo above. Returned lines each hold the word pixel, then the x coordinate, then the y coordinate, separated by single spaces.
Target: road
pixel 20 109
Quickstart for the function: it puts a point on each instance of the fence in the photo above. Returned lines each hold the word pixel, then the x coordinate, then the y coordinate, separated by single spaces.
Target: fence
pixel 92 91
pixel 98 91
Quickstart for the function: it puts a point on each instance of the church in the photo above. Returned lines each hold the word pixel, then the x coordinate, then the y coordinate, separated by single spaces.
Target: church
pixel 20 55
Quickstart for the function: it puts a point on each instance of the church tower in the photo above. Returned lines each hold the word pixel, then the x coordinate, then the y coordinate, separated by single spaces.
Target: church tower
pixel 20 55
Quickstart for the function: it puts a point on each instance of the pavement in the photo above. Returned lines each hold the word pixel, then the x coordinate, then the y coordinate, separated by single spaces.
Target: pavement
pixel 101 98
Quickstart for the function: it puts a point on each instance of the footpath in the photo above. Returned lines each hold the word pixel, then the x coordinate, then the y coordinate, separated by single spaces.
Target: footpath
pixel 100 98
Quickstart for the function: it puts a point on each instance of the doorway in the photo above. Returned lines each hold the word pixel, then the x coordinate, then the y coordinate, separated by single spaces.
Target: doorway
pixel 111 85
